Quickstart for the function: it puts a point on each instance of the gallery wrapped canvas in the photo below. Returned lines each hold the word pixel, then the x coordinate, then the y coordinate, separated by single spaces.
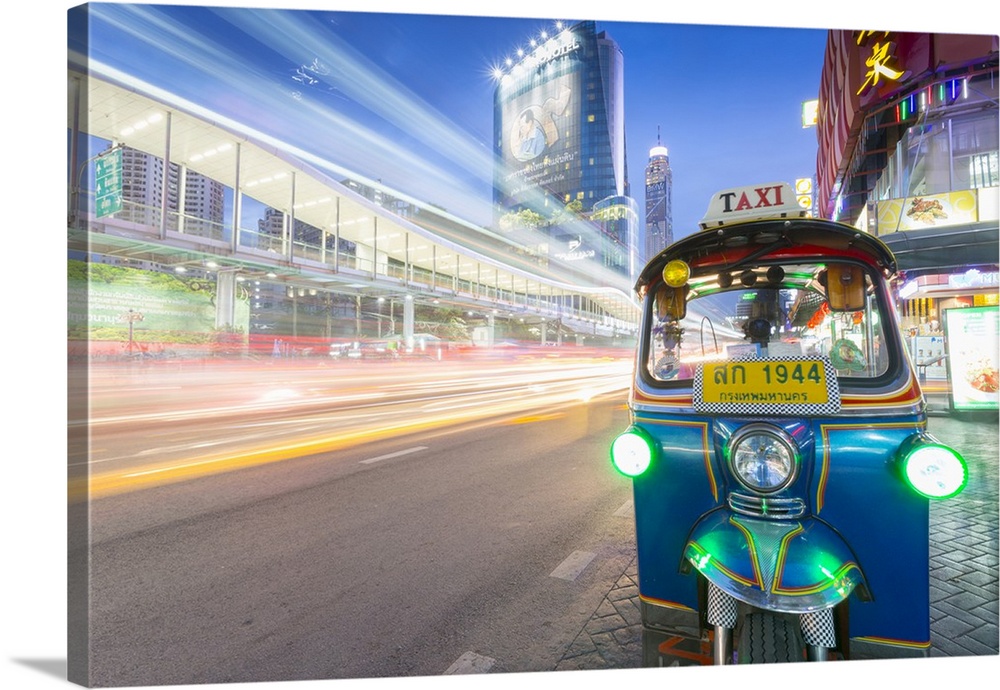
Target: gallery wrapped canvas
pixel 354 312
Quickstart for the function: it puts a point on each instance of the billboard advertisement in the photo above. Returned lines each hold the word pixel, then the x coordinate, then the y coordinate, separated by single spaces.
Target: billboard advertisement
pixel 114 303
pixel 934 210
pixel 538 104
pixel 973 359
pixel 538 149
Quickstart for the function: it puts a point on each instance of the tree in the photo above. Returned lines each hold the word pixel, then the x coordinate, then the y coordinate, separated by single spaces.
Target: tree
pixel 524 219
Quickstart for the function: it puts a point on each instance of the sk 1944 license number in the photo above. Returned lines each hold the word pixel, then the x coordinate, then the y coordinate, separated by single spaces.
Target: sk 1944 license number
pixel 765 382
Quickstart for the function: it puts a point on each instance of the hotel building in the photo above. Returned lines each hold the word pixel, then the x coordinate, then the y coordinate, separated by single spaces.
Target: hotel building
pixel 559 143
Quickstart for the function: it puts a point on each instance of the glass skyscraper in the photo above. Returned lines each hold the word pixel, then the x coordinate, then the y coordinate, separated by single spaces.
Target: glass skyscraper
pixel 559 138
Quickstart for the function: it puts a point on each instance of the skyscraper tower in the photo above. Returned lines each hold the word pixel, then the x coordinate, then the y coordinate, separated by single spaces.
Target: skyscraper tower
pixel 559 126
pixel 559 140
pixel 659 212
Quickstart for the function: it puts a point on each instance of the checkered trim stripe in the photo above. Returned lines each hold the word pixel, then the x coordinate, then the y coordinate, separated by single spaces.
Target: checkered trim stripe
pixel 722 608
pixel 830 407
pixel 818 628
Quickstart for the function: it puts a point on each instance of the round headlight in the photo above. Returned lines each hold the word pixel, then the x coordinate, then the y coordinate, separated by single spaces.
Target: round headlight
pixel 631 453
pixel 762 458
pixel 934 470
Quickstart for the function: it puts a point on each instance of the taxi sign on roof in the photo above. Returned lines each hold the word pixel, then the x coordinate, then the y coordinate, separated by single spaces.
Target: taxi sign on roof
pixel 754 202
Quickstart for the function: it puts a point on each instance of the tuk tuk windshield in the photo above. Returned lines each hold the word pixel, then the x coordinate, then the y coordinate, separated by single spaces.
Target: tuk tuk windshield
pixel 770 319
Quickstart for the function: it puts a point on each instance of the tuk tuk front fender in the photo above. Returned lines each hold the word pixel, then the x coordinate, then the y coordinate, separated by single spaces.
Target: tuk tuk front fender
pixel 788 566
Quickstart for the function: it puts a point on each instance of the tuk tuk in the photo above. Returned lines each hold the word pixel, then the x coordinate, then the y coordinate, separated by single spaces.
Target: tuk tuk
pixel 778 445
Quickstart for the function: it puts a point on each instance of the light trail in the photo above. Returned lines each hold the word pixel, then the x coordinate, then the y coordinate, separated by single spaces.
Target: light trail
pixel 199 396
pixel 312 81
pixel 335 424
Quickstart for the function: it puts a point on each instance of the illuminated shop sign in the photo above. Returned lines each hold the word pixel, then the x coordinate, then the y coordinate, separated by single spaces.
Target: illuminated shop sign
pixel 804 192
pixel 880 61
pixel 936 210
pixel 908 289
pixel 973 368
pixel 810 113
pixel 973 278
pixel 576 250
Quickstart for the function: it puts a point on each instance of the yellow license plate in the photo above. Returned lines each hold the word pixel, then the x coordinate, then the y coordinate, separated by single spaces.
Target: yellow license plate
pixel 766 382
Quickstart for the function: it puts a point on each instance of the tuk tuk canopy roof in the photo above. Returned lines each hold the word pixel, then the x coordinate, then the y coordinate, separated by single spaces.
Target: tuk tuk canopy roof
pixel 733 246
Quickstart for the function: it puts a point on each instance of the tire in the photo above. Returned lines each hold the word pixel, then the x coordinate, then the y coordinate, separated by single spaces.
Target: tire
pixel 769 638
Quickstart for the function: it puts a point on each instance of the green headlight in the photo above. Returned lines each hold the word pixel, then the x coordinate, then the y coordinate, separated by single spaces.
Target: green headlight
pixel 631 453
pixel 932 469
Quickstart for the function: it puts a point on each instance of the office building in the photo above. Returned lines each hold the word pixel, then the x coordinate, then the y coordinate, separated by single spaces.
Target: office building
pixel 202 211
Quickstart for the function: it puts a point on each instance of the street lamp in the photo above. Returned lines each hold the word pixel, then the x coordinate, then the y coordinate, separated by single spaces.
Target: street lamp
pixel 131 317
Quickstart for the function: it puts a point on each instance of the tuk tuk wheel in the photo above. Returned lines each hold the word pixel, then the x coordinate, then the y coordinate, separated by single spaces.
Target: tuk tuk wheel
pixel 769 638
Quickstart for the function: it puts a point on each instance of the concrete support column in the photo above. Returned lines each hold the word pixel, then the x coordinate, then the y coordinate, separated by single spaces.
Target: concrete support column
pixel 336 243
pixel 408 321
pixel 406 259
pixel 225 299
pixel 234 240
pixel 165 188
pixel 181 196
pixel 289 247
pixel 357 316
pixel 75 198
pixel 374 247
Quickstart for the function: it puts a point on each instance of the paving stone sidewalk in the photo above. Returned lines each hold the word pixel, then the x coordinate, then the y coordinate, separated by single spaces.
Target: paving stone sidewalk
pixel 963 566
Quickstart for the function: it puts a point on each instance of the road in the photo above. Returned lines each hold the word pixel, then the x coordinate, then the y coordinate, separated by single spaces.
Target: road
pixel 437 519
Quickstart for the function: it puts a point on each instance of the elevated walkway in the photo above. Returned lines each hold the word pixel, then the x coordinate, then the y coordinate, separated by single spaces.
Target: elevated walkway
pixel 331 237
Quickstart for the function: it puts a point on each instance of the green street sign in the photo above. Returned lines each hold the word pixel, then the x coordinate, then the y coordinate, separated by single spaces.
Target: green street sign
pixel 108 184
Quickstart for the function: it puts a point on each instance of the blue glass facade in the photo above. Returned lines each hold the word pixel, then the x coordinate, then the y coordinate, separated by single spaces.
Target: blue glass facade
pixel 559 133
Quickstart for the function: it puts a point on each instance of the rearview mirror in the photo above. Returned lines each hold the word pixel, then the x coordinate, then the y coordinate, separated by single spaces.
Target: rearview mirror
pixel 845 287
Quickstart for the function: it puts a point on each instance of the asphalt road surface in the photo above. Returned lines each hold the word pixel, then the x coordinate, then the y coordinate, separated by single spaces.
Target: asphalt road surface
pixel 460 524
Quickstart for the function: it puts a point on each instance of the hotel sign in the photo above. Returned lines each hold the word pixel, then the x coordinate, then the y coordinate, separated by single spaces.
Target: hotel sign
pixel 549 51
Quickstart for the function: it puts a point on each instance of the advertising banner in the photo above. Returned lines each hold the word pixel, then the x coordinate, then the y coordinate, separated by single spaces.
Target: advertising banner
pixel 161 307
pixel 936 210
pixel 973 359
pixel 538 146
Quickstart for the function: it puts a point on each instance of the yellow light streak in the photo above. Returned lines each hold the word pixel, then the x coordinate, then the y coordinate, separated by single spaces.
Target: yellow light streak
pixel 486 408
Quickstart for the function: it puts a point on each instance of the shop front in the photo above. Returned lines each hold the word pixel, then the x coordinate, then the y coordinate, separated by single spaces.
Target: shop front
pixel 949 323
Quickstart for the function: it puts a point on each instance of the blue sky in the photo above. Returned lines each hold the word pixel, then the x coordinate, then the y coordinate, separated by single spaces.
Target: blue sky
pixel 377 92
pixel 369 91
pixel 407 98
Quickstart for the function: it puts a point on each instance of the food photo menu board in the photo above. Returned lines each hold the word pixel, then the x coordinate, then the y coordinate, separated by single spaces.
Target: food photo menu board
pixel 973 358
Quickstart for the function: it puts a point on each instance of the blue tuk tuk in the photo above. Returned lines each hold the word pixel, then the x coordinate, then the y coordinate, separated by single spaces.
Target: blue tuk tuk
pixel 778 444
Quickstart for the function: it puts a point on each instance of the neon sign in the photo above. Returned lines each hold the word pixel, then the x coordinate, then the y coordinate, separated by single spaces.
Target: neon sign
pixel 881 61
